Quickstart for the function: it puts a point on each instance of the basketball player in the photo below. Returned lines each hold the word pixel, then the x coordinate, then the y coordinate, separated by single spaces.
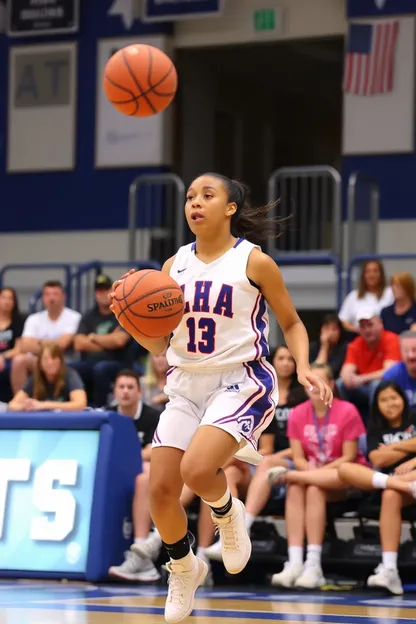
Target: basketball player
pixel 222 392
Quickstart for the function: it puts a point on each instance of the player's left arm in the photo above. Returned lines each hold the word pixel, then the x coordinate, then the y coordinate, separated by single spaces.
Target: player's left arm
pixel 264 272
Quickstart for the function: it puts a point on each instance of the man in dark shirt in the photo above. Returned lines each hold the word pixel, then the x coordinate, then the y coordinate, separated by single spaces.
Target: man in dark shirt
pixel 138 564
pixel 102 344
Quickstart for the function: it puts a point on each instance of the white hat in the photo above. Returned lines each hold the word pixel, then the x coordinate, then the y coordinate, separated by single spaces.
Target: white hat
pixel 367 312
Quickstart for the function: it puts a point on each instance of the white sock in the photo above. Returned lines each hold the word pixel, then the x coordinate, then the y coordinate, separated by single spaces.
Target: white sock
pixel 200 552
pixel 295 555
pixel 389 560
pixel 379 480
pixel 313 554
pixel 249 521
pixel 188 562
pixel 221 502
pixel 140 540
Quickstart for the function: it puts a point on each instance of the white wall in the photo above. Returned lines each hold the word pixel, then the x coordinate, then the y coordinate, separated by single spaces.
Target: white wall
pixel 299 19
pixel 311 288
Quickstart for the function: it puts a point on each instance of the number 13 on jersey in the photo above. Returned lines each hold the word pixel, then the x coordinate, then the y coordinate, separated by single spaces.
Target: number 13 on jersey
pixel 201 335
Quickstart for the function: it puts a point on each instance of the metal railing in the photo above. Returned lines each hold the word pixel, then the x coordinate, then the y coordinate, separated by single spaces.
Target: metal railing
pixel 310 199
pixel 158 200
pixel 360 184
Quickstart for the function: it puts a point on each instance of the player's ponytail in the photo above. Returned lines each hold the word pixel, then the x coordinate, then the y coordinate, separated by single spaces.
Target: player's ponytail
pixel 253 223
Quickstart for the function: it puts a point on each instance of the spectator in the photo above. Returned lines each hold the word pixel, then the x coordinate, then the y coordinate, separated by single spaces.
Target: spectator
pixel 404 373
pixel 321 439
pixel 331 347
pixel 367 359
pixel 102 343
pixel 138 564
pixel 53 386
pixel 401 316
pixel 372 291
pixel 154 380
pixel 56 324
pixel 391 445
pixel 11 328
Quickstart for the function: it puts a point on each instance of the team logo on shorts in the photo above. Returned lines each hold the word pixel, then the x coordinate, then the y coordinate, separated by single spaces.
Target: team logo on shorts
pixel 245 424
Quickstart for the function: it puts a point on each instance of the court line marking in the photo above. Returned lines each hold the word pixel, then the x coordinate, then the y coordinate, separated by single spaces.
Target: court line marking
pixel 326 618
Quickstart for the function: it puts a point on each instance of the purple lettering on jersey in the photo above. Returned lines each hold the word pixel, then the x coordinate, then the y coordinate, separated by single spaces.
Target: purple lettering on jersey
pixel 201 296
pixel 187 308
pixel 224 305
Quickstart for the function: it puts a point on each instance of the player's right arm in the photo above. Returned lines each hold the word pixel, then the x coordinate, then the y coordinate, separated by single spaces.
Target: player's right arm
pixel 153 345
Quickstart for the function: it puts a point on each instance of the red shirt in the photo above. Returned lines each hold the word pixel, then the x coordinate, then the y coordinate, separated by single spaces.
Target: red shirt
pixel 368 360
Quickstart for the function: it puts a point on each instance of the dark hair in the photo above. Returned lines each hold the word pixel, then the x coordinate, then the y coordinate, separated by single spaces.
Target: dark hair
pixel 127 372
pixel 15 315
pixel 53 284
pixel 250 222
pixel 39 378
pixel 362 288
pixel 377 422
pixel 297 392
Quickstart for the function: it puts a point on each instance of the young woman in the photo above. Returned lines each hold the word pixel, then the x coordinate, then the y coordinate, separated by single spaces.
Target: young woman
pixel 401 316
pixel 154 380
pixel 391 446
pixel 11 328
pixel 372 290
pixel 321 440
pixel 332 347
pixel 53 386
pixel 222 392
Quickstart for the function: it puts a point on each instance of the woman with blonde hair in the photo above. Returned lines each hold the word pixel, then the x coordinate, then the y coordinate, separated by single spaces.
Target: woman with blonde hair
pixel 53 386
pixel 372 290
pixel 401 315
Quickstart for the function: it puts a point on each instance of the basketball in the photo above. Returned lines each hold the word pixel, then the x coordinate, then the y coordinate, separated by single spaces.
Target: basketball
pixel 148 304
pixel 140 80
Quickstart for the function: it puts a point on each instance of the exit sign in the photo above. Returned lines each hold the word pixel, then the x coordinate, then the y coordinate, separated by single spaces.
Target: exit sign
pixel 264 19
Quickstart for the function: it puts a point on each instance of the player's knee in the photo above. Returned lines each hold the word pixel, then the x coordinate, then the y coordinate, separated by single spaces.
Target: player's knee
pixel 195 476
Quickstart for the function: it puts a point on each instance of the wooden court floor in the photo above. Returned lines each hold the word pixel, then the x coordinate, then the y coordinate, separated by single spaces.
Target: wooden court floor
pixel 56 603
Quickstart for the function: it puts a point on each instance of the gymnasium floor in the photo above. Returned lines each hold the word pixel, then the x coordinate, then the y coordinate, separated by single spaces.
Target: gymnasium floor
pixel 55 603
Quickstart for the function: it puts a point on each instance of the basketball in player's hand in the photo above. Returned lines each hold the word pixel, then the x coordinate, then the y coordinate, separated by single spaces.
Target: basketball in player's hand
pixel 148 304
pixel 140 80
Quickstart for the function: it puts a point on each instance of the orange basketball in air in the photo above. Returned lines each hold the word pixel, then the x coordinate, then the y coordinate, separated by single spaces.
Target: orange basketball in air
pixel 148 304
pixel 140 80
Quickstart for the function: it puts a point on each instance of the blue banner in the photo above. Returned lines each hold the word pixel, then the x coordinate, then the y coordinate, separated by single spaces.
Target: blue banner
pixel 172 10
pixel 46 492
pixel 380 8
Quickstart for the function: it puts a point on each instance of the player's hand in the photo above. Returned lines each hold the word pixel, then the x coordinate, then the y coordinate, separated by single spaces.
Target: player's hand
pixel 112 294
pixel 313 382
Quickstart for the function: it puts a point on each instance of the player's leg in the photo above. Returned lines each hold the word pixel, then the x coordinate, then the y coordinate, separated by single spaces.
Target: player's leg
pixel 327 478
pixel 364 478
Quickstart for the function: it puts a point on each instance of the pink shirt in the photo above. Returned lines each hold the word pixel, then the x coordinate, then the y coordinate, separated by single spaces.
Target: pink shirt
pixel 324 445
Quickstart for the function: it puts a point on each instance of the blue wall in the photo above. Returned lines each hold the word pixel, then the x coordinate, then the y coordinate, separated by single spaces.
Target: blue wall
pixel 85 198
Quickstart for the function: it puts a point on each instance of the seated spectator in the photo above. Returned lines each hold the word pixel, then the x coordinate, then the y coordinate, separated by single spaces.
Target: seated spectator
pixel 404 373
pixel 332 346
pixel 102 343
pixel 53 386
pixel 372 291
pixel 11 328
pixel 321 439
pixel 138 564
pixel 368 357
pixel 391 445
pixel 54 325
pixel 401 315
pixel 154 380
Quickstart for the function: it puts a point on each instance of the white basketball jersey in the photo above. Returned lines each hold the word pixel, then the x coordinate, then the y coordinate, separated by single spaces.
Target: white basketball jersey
pixel 226 321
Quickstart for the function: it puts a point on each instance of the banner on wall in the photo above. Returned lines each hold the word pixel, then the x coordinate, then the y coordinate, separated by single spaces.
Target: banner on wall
pixel 123 141
pixel 34 17
pixel 379 8
pixel 42 107
pixel 379 90
pixel 173 10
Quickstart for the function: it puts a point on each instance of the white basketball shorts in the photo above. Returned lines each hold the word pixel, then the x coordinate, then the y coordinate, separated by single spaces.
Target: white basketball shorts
pixel 241 401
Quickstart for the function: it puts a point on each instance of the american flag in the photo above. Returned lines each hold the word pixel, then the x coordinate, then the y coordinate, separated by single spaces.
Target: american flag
pixel 370 58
